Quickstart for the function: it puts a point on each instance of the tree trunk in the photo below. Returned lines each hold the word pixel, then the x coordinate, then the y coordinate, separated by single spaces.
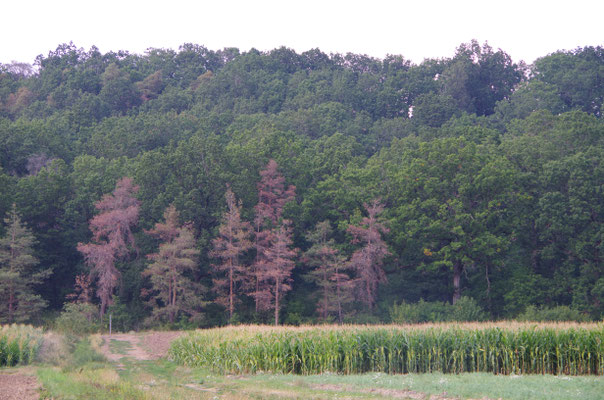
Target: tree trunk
pixel 277 303
pixel 369 296
pixel 11 296
pixel 172 299
pixel 11 302
pixel 325 294
pixel 103 306
pixel 230 293
pixel 339 303
pixel 457 270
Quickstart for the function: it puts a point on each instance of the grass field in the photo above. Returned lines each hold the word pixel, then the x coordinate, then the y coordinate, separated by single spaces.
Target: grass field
pixel 165 380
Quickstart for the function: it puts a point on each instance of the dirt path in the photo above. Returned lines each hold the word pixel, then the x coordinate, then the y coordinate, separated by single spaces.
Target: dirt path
pixel 19 387
pixel 138 346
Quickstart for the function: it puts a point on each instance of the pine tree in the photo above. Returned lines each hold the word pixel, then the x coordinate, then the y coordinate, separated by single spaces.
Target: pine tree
pixel 18 276
pixel 112 237
pixel 368 260
pixel 232 242
pixel 172 291
pixel 328 273
pixel 277 265
pixel 272 196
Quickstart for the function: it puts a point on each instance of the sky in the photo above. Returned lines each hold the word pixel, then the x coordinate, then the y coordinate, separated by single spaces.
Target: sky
pixel 416 29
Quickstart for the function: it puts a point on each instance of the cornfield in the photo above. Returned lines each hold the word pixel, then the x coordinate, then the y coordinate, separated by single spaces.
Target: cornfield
pixel 510 348
pixel 18 344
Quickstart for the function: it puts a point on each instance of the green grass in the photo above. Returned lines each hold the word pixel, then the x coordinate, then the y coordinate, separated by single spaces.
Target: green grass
pixel 468 385
pixel 87 375
pixel 84 354
pixel 165 381
pixel 119 346
pixel 86 383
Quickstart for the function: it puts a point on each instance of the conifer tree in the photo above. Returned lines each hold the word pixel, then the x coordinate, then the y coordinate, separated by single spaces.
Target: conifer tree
pixel 233 240
pixel 172 291
pixel 112 237
pixel 368 260
pixel 272 196
pixel 277 265
pixel 328 273
pixel 18 276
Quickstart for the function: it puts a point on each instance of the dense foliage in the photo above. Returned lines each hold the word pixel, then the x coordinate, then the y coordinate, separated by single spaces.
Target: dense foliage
pixel 489 173
pixel 454 348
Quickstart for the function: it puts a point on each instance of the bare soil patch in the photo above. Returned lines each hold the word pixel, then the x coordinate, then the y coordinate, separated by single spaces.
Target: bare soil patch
pixel 19 387
pixel 157 344
pixel 142 346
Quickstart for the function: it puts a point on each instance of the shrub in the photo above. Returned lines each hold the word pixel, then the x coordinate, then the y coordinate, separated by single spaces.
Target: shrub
pixel 78 319
pixel 124 316
pixel 558 313
pixel 465 309
pixel 55 349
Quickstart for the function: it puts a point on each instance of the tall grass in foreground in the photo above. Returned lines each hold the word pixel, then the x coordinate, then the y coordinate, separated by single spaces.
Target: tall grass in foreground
pixel 18 344
pixel 511 348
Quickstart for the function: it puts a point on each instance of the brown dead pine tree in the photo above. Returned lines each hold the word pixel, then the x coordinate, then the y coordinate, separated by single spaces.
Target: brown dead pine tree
pixel 368 260
pixel 232 242
pixel 272 196
pixel 276 269
pixel 112 238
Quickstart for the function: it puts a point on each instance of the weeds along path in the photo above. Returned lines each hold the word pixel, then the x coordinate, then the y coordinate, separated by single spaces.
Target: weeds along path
pixel 137 346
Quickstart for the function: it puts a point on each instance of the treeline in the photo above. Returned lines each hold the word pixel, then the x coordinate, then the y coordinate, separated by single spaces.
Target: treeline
pixel 489 173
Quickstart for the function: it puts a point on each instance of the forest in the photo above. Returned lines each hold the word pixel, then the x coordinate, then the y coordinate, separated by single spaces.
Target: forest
pixel 198 187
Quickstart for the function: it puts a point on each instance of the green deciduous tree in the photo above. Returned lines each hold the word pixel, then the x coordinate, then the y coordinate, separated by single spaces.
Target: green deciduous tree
pixel 449 197
pixel 478 77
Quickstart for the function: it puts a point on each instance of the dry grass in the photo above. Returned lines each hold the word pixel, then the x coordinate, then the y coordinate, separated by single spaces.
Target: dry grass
pixel 54 349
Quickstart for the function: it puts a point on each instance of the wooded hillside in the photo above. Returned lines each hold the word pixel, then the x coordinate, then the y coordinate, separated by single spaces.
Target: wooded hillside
pixel 352 183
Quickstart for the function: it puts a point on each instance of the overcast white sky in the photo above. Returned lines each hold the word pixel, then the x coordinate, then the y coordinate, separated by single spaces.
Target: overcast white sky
pixel 415 29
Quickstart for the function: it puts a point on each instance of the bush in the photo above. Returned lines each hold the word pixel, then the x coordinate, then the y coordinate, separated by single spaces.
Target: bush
pixel 421 311
pixel 124 317
pixel 558 313
pixel 78 319
pixel 465 309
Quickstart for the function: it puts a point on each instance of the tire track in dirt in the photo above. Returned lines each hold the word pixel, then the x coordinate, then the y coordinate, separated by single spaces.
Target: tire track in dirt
pixel 141 346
